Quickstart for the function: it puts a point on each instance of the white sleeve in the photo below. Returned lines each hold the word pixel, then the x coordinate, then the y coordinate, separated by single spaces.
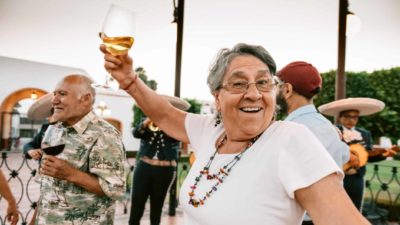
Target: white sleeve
pixel 303 160
pixel 196 127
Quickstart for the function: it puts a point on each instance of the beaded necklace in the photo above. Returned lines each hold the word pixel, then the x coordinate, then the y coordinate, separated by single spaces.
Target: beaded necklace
pixel 222 173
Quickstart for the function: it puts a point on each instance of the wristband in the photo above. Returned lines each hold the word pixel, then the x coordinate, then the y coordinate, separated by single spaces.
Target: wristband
pixel 130 84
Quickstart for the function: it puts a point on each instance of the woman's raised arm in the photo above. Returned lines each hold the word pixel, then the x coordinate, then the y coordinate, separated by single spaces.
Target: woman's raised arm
pixel 170 119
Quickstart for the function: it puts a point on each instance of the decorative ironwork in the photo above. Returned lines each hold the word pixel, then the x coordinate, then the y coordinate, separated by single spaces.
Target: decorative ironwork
pixel 381 201
pixel 22 173
pixel 382 194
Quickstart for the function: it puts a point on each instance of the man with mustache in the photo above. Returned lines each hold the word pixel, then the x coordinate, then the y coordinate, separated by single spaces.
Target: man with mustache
pixel 82 183
pixel 300 82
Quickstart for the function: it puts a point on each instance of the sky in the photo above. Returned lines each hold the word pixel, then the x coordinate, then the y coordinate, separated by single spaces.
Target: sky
pixel 66 33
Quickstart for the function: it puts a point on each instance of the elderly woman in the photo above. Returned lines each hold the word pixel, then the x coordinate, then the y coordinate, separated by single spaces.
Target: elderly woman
pixel 249 169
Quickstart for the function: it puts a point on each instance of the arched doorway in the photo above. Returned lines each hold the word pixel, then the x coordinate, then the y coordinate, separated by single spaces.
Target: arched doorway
pixel 11 119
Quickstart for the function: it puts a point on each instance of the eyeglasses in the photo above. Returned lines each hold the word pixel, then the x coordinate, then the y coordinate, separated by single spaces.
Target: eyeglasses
pixel 237 87
pixel 351 117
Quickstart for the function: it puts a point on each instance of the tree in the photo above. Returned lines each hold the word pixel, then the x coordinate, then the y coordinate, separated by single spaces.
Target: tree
pixel 195 106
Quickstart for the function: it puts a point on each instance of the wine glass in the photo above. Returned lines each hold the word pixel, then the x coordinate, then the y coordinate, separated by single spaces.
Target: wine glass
pixel 53 142
pixel 118 35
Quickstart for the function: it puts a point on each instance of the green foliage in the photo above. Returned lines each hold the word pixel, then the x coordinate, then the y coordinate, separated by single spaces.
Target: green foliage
pixel 381 84
pixel 137 112
pixel 195 106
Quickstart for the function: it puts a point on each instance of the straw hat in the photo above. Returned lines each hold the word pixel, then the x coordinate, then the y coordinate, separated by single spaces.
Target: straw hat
pixel 41 108
pixel 178 102
pixel 366 106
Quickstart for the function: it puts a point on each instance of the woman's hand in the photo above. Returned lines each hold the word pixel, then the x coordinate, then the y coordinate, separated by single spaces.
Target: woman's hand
pixel 120 67
pixel 12 213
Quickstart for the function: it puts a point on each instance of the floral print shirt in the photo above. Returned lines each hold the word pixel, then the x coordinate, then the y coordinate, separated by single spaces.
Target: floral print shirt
pixel 93 146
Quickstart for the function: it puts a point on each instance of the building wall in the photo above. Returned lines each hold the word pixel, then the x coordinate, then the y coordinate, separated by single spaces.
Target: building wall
pixel 17 74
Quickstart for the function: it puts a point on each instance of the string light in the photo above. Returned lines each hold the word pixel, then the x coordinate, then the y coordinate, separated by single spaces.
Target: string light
pixel 34 96
pixel 102 109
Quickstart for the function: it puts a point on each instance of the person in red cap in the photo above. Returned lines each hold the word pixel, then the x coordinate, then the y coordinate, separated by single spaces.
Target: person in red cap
pixel 300 82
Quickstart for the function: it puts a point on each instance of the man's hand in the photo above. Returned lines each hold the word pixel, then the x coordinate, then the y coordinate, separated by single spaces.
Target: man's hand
pixel 57 168
pixel 12 213
pixel 35 153
pixel 354 161
pixel 146 122
pixel 390 152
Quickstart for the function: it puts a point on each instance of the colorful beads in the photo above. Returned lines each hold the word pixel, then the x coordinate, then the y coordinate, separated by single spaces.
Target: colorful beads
pixel 219 177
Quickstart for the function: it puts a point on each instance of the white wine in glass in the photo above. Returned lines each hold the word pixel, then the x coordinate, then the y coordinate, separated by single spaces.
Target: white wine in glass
pixel 118 45
pixel 118 35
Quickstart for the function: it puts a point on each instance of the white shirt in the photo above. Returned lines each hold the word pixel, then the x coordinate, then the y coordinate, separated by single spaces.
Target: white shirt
pixel 260 188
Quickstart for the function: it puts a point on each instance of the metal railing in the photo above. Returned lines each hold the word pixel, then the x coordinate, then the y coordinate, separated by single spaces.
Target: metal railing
pixel 381 202
pixel 21 174
pixel 382 194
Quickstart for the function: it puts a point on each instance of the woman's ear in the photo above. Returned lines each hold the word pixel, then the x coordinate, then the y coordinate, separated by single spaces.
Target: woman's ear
pixel 216 98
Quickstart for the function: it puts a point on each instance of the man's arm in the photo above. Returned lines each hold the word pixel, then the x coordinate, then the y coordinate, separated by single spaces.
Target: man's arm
pixel 35 144
pixel 58 168
pixel 140 130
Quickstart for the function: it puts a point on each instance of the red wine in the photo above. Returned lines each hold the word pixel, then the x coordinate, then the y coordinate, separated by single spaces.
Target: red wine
pixel 54 150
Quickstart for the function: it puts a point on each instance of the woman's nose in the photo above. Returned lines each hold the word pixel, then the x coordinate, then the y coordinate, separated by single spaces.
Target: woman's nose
pixel 252 91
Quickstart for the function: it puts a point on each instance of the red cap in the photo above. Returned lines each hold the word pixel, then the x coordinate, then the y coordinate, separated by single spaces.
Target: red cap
pixel 303 76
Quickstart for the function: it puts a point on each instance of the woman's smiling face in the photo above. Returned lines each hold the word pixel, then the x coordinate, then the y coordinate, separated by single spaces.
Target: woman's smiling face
pixel 246 114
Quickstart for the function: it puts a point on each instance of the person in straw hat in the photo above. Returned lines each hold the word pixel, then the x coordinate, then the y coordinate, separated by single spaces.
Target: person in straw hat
pixel 155 168
pixel 348 111
pixel 300 83
pixel 39 110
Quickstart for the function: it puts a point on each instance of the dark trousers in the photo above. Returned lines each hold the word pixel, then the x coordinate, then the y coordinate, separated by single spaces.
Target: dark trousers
pixel 307 223
pixel 354 186
pixel 149 181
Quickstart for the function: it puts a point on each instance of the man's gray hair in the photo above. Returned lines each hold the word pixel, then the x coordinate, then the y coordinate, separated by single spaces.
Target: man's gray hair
pixel 82 83
pixel 225 56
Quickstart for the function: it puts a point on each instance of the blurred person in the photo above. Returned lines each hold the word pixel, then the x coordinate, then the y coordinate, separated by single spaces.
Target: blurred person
pixel 156 168
pixel 300 83
pixel 83 182
pixel 39 110
pixel 249 169
pixel 12 215
pixel 348 111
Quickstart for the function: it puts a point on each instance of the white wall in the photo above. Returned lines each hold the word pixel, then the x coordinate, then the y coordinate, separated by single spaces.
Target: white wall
pixel 121 109
pixel 16 74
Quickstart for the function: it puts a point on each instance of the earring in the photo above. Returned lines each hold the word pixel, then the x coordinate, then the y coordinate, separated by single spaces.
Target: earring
pixel 218 119
pixel 275 116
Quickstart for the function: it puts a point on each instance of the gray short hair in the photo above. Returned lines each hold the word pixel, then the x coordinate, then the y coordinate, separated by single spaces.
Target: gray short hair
pixel 225 56
pixel 83 85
